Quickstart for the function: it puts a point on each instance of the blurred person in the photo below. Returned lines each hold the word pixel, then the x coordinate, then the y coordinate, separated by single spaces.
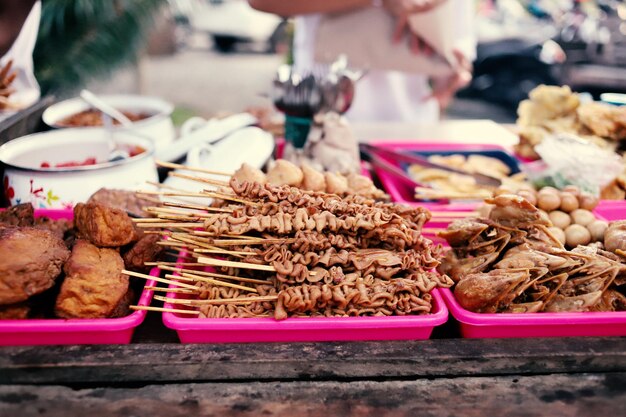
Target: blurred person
pixel 387 95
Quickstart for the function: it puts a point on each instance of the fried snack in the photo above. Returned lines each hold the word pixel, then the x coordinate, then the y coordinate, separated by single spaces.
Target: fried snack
pixel 125 200
pixel 103 226
pixel 61 228
pixel 604 120
pixel 18 215
pixel 547 102
pixel 19 311
pixel 94 285
pixel 284 172
pixel 144 250
pixel 30 262
pixel 249 173
pixel 313 179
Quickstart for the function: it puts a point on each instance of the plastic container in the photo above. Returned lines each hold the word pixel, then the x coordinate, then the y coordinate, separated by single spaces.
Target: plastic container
pixel 74 331
pixel 400 191
pixel 519 325
pixel 611 210
pixel 192 329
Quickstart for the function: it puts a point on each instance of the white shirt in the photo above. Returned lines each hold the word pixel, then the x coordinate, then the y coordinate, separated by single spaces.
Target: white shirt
pixel 388 95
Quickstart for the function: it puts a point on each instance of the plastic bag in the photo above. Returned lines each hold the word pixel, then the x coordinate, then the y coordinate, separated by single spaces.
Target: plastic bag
pixel 570 160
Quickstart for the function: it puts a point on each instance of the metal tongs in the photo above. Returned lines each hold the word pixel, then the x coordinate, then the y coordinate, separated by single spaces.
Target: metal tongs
pixel 379 157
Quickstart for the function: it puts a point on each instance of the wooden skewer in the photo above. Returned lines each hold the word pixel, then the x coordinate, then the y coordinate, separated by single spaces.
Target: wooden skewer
pixel 199 278
pixel 172 290
pixel 207 233
pixel 228 197
pixel 158 279
pixel 146 220
pixel 238 300
pixel 190 206
pixel 163 263
pixel 242 265
pixel 172 224
pixel 232 264
pixel 223 252
pixel 187 212
pixel 165 310
pixel 234 242
pixel 216 275
pixel 175 193
pixel 188 168
pixel 172 244
pixel 199 179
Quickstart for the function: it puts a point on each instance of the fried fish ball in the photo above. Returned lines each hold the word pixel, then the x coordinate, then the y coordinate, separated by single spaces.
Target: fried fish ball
pixel 250 174
pixel 548 200
pixel 336 183
pixel 569 202
pixel 284 172
pixel 313 179
pixel 597 228
pixel 582 217
pixel 575 235
pixel 94 285
pixel 560 219
pixel 103 225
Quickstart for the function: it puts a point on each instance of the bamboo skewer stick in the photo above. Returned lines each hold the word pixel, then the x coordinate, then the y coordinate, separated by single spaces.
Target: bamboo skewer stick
pixel 224 252
pixel 158 279
pixel 165 310
pixel 175 193
pixel 162 264
pixel 234 242
pixel 232 264
pixel 228 197
pixel 199 179
pixel 238 300
pixel 216 275
pixel 191 206
pixel 188 168
pixel 171 290
pixel 438 214
pixel 217 282
pixel 172 224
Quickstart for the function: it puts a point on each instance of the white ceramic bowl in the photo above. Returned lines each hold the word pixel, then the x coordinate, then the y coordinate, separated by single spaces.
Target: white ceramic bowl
pixel 158 127
pixel 25 181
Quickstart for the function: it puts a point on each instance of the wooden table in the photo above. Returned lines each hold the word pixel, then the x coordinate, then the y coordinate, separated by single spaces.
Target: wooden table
pixel 444 376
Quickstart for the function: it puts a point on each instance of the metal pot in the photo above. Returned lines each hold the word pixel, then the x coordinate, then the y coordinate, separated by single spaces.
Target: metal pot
pixel 25 181
pixel 158 127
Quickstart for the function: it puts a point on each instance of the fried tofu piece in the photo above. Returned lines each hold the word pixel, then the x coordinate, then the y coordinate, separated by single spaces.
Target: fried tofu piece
pixel 103 226
pixel 19 311
pixel 125 200
pixel 94 285
pixel 18 215
pixel 144 250
pixel 30 261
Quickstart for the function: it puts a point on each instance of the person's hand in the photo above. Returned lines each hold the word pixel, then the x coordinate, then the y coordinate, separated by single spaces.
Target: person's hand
pixel 445 88
pixel 402 9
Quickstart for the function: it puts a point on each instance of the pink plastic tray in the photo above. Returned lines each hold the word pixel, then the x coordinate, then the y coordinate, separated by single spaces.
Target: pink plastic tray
pixel 611 210
pixel 74 331
pixel 509 325
pixel 403 192
pixel 192 329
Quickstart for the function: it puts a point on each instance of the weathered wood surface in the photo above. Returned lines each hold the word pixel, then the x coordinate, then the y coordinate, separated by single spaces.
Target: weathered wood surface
pixel 309 361
pixel 554 395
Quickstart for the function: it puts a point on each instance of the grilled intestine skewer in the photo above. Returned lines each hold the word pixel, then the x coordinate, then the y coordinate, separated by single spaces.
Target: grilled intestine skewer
pixel 369 256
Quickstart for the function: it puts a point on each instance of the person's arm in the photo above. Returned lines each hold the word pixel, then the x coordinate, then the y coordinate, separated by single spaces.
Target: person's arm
pixel 288 8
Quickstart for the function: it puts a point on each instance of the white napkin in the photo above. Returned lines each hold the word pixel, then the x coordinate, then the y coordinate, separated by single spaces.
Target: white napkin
pixel 26 88
pixel 365 37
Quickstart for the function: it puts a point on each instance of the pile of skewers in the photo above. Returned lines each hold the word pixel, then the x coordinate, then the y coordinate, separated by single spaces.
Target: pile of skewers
pixel 278 251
